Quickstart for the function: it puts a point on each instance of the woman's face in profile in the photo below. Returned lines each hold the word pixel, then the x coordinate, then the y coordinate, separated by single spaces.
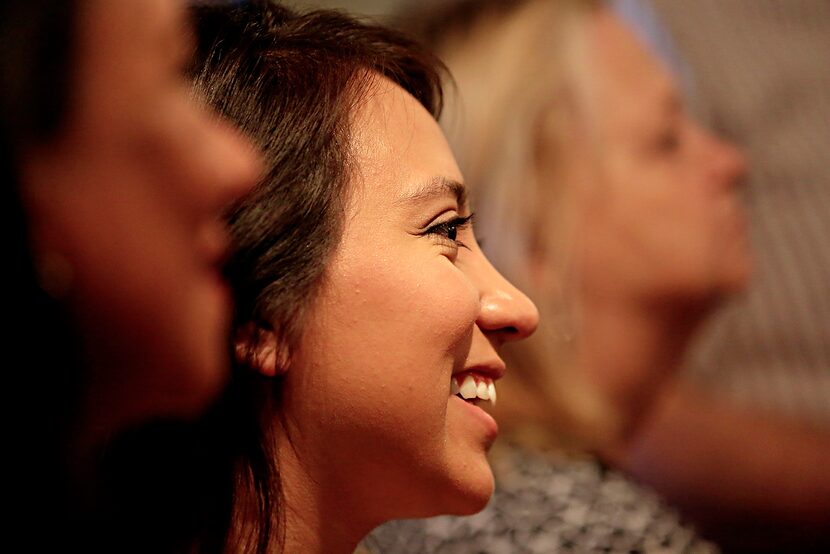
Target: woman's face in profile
pixel 125 205
pixel 408 304
pixel 665 213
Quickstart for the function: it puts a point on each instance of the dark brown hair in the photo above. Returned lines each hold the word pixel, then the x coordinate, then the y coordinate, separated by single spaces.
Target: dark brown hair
pixel 292 83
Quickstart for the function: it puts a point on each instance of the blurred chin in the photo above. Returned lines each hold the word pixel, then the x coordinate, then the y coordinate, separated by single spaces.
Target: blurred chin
pixel 189 374
pixel 207 373
pixel 204 364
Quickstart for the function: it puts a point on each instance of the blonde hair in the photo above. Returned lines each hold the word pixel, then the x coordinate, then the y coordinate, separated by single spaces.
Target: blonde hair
pixel 522 81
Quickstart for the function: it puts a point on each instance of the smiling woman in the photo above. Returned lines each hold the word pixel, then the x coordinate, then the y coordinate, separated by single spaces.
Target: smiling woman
pixel 362 293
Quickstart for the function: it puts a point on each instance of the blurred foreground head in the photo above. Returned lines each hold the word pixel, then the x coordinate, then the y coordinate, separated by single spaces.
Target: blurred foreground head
pixel 123 199
pixel 114 181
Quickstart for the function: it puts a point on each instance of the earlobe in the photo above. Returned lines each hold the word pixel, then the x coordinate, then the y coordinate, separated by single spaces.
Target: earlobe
pixel 261 350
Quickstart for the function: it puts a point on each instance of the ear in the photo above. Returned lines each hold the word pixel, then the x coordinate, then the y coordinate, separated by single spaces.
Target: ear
pixel 260 349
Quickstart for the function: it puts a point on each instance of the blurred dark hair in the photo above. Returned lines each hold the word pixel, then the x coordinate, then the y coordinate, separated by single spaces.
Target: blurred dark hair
pixel 35 48
pixel 291 82
pixel 41 381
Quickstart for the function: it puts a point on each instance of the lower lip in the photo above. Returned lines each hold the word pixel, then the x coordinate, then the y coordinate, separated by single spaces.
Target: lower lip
pixel 486 420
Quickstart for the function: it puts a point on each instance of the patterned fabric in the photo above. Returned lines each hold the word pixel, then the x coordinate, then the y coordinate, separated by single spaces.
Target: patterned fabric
pixel 762 79
pixel 547 505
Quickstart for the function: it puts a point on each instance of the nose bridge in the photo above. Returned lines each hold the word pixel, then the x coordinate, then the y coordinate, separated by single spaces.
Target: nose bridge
pixel 505 310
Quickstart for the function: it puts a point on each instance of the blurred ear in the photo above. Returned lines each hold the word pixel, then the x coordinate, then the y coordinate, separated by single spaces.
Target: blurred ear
pixel 261 350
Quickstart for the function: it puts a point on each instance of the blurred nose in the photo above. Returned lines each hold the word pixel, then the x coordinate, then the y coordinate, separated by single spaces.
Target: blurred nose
pixel 234 164
pixel 506 313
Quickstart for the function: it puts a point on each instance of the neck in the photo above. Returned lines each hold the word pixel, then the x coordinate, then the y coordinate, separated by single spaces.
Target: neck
pixel 317 530
pixel 318 515
pixel 629 348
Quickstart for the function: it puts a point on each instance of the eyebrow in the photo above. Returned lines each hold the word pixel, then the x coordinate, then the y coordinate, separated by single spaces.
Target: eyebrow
pixel 437 187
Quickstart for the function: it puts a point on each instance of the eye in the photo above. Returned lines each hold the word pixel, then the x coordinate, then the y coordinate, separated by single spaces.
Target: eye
pixel 669 138
pixel 668 141
pixel 448 230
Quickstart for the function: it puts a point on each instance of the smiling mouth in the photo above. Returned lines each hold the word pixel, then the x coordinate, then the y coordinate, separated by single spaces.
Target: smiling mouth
pixel 474 389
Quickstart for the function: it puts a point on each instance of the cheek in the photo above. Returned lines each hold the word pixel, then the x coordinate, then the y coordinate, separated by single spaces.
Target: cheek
pixel 380 350
pixel 682 237
pixel 637 231
pixel 414 310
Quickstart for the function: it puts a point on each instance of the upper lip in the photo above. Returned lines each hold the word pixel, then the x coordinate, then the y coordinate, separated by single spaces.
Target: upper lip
pixel 494 369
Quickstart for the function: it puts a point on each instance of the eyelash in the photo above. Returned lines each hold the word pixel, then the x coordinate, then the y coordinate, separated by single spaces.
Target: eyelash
pixel 448 230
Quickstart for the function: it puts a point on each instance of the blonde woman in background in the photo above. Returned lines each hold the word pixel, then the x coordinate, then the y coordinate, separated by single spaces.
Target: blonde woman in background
pixel 594 189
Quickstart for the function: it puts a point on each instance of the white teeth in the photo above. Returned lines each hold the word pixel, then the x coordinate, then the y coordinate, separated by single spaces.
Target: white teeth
pixel 468 388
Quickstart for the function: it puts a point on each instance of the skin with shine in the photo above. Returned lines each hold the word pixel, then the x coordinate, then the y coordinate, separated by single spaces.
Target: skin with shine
pixel 375 433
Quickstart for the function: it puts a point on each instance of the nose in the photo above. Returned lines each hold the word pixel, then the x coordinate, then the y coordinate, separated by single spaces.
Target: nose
pixel 219 163
pixel 234 163
pixel 506 313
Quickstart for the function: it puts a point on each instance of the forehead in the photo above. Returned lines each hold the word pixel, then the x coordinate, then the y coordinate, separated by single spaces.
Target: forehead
pixel 131 45
pixel 107 24
pixel 627 73
pixel 397 145
pixel 126 55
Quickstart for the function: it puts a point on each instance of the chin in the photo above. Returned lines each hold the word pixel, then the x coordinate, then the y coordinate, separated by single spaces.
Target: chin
pixel 202 382
pixel 471 493
pixel 474 503
pixel 464 492
pixel 714 284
